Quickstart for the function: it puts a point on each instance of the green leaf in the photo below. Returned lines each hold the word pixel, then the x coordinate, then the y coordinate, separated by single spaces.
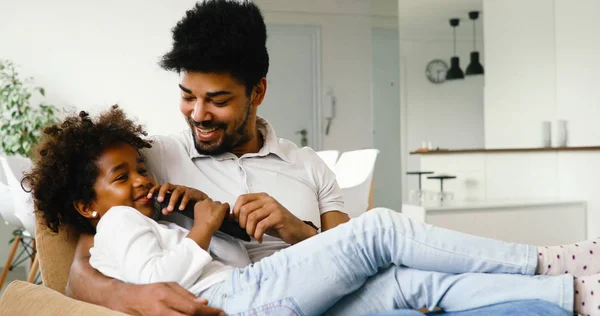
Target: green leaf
pixel 21 122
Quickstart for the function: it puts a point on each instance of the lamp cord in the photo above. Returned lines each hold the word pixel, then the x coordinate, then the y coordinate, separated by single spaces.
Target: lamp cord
pixel 474 48
pixel 454 35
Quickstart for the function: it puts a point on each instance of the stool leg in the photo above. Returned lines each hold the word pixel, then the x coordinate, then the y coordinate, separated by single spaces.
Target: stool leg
pixel 9 260
pixel 34 270
pixel 33 252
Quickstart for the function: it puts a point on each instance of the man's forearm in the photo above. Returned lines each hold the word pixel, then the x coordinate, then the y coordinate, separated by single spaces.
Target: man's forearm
pixel 87 284
pixel 328 220
pixel 332 219
pixel 305 232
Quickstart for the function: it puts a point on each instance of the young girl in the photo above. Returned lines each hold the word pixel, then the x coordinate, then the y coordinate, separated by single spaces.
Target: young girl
pixel 90 174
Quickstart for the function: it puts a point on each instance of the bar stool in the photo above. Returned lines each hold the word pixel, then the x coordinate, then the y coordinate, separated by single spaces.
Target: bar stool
pixel 443 195
pixel 418 195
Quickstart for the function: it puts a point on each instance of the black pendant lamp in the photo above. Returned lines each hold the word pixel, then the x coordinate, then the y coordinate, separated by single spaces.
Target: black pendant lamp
pixel 454 72
pixel 475 67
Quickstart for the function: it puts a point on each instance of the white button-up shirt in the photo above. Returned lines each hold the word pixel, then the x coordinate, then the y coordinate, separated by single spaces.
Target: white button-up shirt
pixel 296 177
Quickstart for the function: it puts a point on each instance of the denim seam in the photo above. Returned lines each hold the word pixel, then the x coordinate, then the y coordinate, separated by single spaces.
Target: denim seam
pixel 403 298
pixel 566 284
pixel 528 263
pixel 562 294
pixel 273 305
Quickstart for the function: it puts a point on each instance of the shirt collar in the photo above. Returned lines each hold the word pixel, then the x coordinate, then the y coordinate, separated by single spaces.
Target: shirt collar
pixel 271 144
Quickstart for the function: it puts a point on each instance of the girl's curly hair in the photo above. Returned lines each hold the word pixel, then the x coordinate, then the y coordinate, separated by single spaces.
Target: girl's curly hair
pixel 64 168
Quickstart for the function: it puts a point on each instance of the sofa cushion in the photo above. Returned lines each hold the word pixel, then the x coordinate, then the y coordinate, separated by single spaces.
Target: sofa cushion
pixel 55 253
pixel 22 298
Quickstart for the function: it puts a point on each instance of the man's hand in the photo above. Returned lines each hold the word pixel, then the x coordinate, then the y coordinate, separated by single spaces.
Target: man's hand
pixel 177 192
pixel 164 299
pixel 259 213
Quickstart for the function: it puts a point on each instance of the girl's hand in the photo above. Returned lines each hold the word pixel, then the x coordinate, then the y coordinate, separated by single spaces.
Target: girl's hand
pixel 208 217
pixel 177 192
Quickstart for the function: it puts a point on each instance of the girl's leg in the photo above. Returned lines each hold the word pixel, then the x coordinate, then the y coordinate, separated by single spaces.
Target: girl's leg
pixel 406 288
pixel 319 271
pixel 579 259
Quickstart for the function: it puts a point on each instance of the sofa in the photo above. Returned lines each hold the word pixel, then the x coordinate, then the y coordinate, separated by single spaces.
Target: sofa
pixel 56 253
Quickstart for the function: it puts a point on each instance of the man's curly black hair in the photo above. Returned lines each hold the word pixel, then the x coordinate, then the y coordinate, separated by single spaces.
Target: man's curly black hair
pixel 65 168
pixel 221 36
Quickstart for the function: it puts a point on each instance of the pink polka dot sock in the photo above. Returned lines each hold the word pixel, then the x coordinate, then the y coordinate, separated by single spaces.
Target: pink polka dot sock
pixel 580 259
pixel 587 295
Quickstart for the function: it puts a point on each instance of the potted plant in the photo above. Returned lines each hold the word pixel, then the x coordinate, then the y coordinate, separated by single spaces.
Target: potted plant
pixel 21 122
pixel 21 126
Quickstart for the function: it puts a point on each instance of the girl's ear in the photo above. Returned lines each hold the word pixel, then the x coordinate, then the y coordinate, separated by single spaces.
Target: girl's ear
pixel 85 209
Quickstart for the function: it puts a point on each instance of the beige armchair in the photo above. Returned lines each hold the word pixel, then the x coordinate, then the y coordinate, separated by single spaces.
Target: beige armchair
pixel 55 253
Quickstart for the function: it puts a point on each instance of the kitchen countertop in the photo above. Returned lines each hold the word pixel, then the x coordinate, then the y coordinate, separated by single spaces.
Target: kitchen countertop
pixel 503 150
pixel 432 206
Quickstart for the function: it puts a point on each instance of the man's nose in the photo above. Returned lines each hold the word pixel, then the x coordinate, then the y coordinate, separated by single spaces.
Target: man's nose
pixel 201 112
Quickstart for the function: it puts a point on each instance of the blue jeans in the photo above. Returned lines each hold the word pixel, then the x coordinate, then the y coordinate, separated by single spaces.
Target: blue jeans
pixel 382 261
pixel 521 308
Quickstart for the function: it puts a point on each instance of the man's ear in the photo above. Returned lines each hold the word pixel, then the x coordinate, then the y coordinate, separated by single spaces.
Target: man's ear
pixel 85 209
pixel 259 91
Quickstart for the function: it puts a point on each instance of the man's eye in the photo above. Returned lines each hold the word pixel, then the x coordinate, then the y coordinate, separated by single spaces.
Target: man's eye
pixel 220 103
pixel 188 99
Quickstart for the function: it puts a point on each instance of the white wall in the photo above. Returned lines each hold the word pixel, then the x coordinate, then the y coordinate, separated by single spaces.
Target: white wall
pixel 346 61
pixel 90 56
pixel 577 69
pixel 450 115
pixel 541 66
pixel 520 89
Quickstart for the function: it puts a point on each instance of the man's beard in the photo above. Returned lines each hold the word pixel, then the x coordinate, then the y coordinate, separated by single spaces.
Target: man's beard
pixel 226 143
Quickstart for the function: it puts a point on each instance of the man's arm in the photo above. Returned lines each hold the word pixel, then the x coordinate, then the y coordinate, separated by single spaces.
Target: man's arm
pixel 260 213
pixel 87 284
pixel 333 218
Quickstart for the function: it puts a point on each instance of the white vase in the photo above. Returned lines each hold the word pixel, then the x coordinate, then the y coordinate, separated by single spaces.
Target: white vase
pixel 561 132
pixel 546 134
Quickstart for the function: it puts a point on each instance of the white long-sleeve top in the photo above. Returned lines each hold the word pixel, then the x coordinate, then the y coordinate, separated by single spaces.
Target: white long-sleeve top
pixel 136 249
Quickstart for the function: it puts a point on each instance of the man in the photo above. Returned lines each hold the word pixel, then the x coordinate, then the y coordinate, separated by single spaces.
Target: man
pixel 229 153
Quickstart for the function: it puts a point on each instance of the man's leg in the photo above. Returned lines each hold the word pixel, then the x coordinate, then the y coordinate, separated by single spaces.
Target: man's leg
pixel 404 288
pixel 527 307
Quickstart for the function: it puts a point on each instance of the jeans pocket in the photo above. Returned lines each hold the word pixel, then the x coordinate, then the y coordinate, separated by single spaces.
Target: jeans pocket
pixel 283 307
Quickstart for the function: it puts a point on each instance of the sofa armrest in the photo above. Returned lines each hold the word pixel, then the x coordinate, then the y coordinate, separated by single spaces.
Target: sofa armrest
pixel 22 298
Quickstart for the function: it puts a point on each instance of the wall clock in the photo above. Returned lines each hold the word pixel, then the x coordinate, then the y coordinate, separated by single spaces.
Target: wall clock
pixel 436 71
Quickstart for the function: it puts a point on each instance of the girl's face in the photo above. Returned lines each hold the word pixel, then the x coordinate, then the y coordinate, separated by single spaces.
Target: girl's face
pixel 122 181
